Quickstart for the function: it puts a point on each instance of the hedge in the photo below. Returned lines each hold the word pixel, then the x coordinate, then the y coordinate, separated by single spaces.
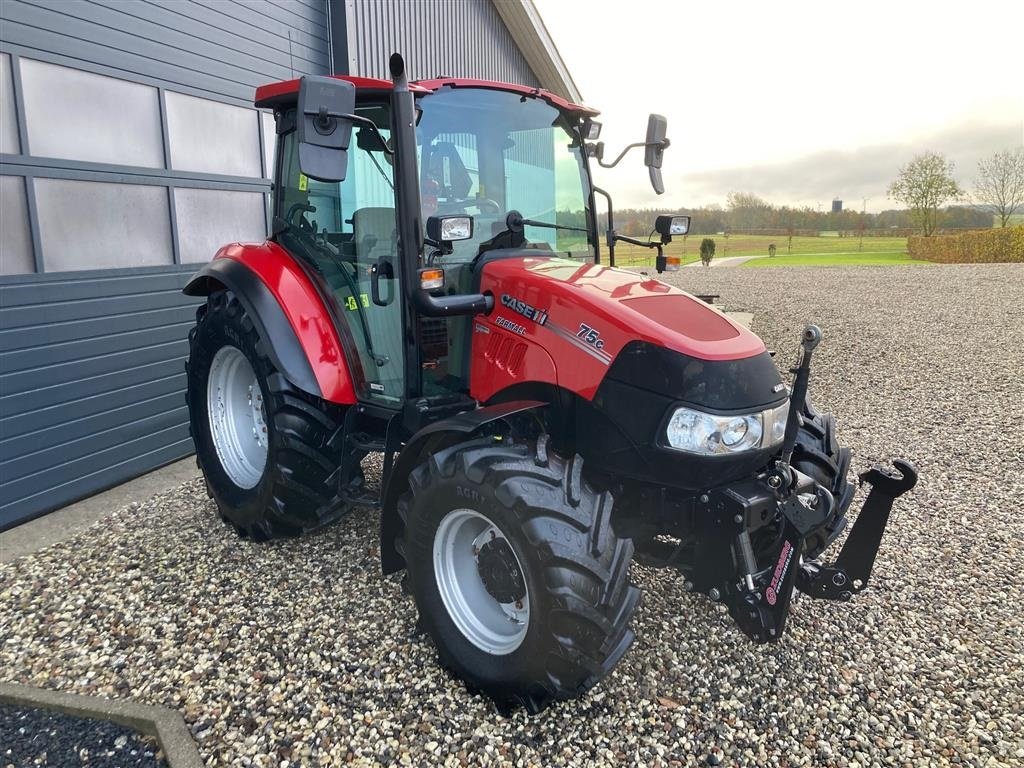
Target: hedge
pixel 975 247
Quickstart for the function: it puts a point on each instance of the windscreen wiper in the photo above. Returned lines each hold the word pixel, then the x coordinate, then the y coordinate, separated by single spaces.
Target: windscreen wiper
pixel 515 222
pixel 512 235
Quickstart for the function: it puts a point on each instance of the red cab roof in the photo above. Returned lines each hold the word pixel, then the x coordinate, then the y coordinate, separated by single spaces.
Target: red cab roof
pixel 273 94
pixel 540 93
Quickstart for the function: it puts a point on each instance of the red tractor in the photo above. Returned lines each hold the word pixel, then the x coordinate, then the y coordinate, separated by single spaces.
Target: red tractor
pixel 432 291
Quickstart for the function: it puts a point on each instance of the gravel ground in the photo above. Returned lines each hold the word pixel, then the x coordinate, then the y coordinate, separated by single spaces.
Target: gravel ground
pixel 38 737
pixel 298 652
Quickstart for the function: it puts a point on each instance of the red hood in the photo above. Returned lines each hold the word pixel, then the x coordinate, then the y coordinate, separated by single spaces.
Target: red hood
pixel 623 306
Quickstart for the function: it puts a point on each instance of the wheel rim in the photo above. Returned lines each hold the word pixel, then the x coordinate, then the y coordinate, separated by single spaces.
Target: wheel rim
pixel 238 422
pixel 490 607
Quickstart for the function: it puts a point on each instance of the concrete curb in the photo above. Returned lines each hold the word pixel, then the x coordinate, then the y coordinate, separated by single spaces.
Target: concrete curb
pixel 166 725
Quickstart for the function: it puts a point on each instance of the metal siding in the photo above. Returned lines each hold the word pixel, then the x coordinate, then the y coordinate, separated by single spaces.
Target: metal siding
pixel 221 50
pixel 92 363
pixel 92 383
pixel 438 38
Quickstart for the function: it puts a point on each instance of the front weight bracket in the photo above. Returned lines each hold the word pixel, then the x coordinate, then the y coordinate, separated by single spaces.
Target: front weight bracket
pixel 849 574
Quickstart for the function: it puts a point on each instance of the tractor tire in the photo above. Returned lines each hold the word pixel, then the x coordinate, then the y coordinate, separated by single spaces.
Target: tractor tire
pixel 516 572
pixel 818 455
pixel 264 447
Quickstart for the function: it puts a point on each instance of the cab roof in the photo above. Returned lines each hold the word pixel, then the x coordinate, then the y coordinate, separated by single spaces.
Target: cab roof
pixel 286 91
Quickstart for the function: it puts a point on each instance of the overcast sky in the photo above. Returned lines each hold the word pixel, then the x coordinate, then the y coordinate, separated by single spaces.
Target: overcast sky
pixel 798 102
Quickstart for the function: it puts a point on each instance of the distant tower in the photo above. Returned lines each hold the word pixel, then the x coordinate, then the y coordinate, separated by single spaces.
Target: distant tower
pixel 837 206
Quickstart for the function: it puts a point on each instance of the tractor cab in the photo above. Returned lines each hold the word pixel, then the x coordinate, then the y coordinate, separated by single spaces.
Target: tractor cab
pixel 483 150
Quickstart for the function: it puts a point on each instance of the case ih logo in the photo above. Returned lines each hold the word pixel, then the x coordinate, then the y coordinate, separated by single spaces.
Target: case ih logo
pixel 539 316
pixel 785 556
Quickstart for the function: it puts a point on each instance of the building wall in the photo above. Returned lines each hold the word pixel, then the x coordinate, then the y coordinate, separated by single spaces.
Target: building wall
pixel 129 151
pixel 464 38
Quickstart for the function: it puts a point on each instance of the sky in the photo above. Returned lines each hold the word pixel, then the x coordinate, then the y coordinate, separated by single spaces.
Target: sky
pixel 798 102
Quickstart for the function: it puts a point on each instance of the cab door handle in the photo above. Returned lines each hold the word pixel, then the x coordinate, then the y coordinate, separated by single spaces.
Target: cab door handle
pixel 381 269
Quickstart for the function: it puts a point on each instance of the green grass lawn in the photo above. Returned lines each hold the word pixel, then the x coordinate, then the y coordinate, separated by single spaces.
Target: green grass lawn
pixel 757 245
pixel 854 259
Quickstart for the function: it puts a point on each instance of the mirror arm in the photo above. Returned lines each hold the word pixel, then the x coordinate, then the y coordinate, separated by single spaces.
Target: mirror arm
pixel 631 241
pixel 610 231
pixel 664 144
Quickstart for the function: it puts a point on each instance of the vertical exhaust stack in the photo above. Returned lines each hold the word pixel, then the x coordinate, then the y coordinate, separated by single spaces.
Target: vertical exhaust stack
pixel 410 213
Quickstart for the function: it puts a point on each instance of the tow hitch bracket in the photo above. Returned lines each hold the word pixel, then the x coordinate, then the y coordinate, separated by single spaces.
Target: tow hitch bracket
pixel 762 612
pixel 849 574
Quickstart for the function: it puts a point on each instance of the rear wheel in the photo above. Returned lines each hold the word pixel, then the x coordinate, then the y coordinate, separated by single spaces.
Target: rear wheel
pixel 264 447
pixel 517 574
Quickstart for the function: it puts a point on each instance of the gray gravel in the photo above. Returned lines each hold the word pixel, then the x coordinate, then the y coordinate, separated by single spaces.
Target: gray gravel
pixel 298 652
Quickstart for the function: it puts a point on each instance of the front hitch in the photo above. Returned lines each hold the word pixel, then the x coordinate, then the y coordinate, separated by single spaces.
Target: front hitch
pixel 762 609
pixel 849 574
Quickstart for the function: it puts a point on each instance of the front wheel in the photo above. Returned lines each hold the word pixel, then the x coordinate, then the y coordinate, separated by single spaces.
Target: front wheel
pixel 517 574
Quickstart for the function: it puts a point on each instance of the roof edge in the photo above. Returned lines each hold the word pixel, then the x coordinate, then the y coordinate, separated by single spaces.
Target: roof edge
pixel 531 36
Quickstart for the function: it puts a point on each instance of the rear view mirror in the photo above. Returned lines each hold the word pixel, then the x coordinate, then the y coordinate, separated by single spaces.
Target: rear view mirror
pixel 324 127
pixel 654 151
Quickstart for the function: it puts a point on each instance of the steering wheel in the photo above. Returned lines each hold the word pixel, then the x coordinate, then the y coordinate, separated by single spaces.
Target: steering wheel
pixel 475 202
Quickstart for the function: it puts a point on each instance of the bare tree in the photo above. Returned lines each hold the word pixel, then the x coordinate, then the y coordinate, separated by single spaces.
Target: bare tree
pixel 1000 184
pixel 924 185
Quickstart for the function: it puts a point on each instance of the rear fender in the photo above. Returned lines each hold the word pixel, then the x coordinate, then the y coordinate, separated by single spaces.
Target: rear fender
pixel 420 446
pixel 289 313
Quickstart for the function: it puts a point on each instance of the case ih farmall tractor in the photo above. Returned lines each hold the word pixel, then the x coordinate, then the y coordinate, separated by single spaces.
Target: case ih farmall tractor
pixel 432 291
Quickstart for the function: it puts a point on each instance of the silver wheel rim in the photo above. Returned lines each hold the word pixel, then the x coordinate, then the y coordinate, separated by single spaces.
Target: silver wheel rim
pixel 238 422
pixel 494 627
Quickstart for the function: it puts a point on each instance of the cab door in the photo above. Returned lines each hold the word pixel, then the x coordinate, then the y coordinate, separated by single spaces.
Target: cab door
pixel 344 230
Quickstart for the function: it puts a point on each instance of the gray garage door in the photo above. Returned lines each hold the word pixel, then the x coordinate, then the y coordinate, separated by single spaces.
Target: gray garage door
pixel 129 150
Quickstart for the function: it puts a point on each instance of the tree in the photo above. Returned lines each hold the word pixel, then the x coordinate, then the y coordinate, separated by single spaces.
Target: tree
pixel 747 210
pixel 771 249
pixel 1000 184
pixel 707 251
pixel 924 185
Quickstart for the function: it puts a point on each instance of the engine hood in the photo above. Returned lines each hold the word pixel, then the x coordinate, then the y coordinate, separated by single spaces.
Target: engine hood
pixel 626 302
pixel 584 315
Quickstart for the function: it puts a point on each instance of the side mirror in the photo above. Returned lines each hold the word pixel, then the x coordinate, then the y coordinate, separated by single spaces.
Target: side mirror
pixel 668 226
pixel 324 125
pixel 654 151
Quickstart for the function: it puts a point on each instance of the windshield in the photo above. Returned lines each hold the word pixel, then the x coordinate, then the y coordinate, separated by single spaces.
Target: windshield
pixel 486 152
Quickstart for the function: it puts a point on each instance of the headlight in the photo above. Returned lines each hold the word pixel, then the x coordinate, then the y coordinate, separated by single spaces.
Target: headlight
pixel 709 434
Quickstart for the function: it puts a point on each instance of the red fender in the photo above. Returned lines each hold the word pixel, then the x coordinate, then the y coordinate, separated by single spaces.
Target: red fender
pixel 303 306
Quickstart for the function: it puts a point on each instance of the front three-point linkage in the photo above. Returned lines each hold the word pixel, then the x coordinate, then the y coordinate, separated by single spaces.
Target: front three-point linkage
pixel 805 505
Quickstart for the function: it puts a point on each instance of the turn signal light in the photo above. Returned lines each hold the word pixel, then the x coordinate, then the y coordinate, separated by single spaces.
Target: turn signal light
pixel 431 279
pixel 672 263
